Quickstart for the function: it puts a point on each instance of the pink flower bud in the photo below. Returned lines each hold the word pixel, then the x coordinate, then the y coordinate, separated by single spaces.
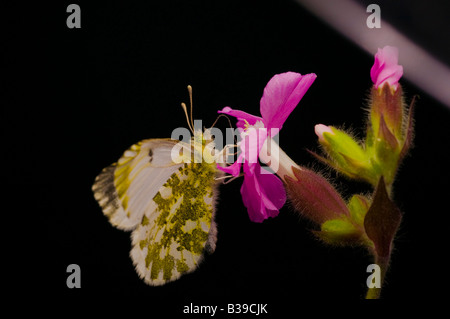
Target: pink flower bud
pixel 320 129
pixel 386 68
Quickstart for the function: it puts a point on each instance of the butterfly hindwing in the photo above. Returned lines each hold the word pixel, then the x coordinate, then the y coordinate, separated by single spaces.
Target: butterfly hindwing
pixel 170 241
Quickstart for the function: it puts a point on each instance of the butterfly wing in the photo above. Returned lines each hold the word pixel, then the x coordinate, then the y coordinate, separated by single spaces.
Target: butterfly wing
pixel 125 189
pixel 171 240
pixel 170 206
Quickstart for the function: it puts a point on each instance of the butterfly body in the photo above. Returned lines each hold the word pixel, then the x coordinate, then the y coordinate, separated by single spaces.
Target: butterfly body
pixel 167 200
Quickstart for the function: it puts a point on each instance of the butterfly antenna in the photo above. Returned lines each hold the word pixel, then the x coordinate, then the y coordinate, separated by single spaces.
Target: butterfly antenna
pixel 183 106
pixel 192 105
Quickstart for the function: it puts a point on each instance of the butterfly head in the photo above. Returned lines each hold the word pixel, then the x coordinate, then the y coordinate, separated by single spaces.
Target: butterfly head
pixel 202 143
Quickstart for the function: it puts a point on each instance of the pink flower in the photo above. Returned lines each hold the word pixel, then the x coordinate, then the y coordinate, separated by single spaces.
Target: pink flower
pixel 386 68
pixel 263 193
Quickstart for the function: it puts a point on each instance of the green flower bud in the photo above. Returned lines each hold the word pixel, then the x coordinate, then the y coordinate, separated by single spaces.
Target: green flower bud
pixel 346 155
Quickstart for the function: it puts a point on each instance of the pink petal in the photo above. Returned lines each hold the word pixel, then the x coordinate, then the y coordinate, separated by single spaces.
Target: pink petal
pixel 252 142
pixel 385 68
pixel 241 116
pixel 273 189
pixel 233 169
pixel 251 197
pixel 281 95
pixel 262 194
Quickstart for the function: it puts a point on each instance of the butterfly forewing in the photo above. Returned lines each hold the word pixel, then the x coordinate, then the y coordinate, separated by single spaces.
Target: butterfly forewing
pixel 125 189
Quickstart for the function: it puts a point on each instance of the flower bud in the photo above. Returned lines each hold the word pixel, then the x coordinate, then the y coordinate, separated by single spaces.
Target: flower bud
pixel 314 197
pixel 340 232
pixel 389 105
pixel 345 154
pixel 390 130
pixel 386 69
pixel 319 129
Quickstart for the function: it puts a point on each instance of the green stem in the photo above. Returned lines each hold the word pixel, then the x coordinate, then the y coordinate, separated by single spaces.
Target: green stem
pixel 383 263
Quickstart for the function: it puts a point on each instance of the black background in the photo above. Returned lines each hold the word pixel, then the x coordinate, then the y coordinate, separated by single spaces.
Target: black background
pixel 92 92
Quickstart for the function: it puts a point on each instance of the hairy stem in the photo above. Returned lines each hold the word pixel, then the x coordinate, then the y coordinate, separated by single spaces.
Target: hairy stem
pixel 383 263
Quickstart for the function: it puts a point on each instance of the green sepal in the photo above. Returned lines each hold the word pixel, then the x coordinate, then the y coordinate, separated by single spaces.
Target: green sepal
pixel 409 132
pixel 342 143
pixel 361 171
pixel 348 156
pixel 340 232
pixel 387 103
pixel 384 134
pixel 358 206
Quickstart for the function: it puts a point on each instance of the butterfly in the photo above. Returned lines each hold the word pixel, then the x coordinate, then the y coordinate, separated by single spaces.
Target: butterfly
pixel 165 193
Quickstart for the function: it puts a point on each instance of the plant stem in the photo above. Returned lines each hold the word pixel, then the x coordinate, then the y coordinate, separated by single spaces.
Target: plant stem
pixel 383 263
